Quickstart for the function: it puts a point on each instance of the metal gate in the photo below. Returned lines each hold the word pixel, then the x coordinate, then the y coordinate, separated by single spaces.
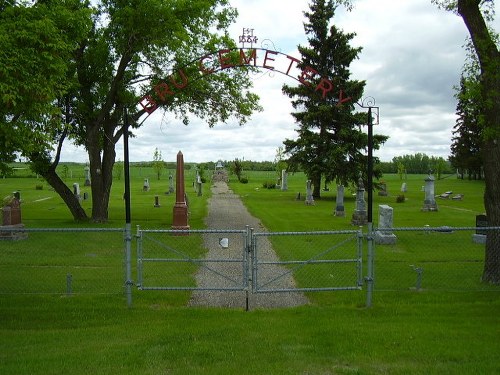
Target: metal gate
pixel 307 261
pixel 237 260
pixel 192 259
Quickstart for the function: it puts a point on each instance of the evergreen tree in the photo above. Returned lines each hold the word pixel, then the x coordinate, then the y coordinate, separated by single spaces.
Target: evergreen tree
pixel 466 142
pixel 330 141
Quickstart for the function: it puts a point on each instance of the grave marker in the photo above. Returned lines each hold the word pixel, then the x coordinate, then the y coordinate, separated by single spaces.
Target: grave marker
pixel 385 221
pixel 339 202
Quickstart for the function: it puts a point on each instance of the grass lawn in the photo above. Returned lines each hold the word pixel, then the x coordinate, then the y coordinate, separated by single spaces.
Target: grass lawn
pixel 405 332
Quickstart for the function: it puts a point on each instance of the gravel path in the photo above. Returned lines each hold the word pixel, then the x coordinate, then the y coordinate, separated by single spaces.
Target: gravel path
pixel 226 211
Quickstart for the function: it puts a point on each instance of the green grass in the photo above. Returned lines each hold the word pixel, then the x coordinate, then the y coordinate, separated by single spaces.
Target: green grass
pixel 405 332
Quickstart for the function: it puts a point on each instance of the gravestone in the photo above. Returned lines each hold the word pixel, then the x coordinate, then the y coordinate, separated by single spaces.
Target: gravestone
pixel 429 201
pixel 385 221
pixel 170 184
pixel 145 186
pixel 383 190
pixel 309 194
pixel 180 211
pixel 198 185
pixel 284 180
pixel 360 216
pixel 403 187
pixel 76 190
pixel 11 219
pixel 339 202
pixel 157 201
pixel 87 175
pixel 480 235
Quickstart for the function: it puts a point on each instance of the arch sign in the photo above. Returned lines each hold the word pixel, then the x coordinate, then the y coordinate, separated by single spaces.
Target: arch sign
pixel 239 57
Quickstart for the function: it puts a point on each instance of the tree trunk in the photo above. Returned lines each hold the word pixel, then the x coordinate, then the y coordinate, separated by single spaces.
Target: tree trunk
pixel 489 61
pixel 491 271
pixel 316 181
pixel 101 172
pixel 66 194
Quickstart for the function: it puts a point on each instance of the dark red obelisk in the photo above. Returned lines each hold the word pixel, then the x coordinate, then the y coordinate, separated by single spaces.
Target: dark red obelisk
pixel 180 206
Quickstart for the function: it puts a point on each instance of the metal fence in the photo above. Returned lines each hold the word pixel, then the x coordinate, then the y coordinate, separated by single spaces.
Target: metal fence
pixel 61 261
pixel 434 258
pixel 93 261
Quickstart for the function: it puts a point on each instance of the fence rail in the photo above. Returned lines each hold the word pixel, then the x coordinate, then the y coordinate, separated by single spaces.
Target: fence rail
pixel 92 260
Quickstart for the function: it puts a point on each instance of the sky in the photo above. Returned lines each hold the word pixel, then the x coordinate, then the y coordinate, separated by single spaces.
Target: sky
pixel 411 59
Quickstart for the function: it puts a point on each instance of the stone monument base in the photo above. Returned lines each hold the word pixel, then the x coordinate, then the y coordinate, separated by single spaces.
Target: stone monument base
pixel 479 238
pixel 430 207
pixel 359 218
pixel 382 238
pixel 15 235
pixel 339 213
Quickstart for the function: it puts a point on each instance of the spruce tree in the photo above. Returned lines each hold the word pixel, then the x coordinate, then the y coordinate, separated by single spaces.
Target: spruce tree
pixel 466 142
pixel 330 143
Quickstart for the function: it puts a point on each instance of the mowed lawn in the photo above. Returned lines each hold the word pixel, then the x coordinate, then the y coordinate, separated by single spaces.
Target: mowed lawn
pixel 404 332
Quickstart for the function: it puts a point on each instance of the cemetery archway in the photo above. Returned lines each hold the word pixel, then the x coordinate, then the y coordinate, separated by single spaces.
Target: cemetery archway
pixel 258 58
pixel 223 59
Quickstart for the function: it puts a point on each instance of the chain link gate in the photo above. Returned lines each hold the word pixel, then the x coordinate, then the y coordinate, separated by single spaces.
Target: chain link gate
pixel 192 260
pixel 307 261
pixel 241 260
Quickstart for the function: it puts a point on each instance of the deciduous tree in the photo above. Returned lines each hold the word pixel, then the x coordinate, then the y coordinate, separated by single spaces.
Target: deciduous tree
pixel 475 14
pixel 128 47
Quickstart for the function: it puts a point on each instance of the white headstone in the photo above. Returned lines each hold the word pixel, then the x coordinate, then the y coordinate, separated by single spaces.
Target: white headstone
pixel 385 221
pixel 309 194
pixel 284 180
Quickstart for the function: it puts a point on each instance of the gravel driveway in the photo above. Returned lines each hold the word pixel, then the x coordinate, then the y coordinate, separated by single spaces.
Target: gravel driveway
pixel 226 211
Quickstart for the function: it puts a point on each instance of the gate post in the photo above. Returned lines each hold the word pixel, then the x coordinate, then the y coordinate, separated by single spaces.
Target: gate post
pixel 248 262
pixel 139 257
pixel 369 277
pixel 128 264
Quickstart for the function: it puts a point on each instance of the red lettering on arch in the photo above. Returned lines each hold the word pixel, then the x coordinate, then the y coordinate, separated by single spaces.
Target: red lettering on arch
pixel 264 65
pixel 184 80
pixel 225 59
pixel 307 73
pixel 325 86
pixel 245 61
pixel 148 104
pixel 202 66
pixel 342 100
pixel 162 90
pixel 292 60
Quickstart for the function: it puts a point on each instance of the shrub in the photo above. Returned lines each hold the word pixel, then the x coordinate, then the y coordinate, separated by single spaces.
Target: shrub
pixel 38 187
pixel 244 180
pixel 400 198
pixel 269 185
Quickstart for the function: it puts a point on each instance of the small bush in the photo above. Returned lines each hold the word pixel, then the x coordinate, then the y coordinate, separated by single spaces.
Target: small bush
pixel 38 187
pixel 244 180
pixel 400 198
pixel 269 185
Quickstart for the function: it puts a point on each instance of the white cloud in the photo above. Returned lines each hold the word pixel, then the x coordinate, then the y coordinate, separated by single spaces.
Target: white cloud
pixel 412 57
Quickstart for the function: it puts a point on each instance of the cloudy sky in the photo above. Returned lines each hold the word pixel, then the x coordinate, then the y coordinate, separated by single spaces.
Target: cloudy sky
pixel 412 57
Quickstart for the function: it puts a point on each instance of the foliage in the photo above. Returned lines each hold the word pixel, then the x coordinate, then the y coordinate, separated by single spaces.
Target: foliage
pixel 237 168
pixel 279 161
pixel 420 163
pixel 269 185
pixel 330 142
pixel 36 41
pixel 158 163
pixel 466 142
pixel 114 55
